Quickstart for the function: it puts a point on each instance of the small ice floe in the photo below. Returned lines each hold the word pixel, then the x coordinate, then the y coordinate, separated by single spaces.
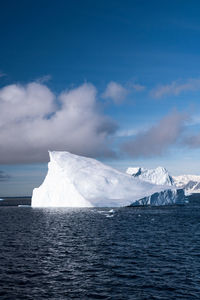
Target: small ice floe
pixel 109 216
pixel 110 213
pixel 23 205
pixel 106 213
pixel 1 199
pixel 139 215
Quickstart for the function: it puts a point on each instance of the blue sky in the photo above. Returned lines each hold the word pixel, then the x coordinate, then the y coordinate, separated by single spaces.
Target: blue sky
pixel 114 80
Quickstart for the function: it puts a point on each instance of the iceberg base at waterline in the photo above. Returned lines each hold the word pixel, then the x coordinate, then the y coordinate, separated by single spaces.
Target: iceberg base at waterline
pixel 167 197
pixel 76 181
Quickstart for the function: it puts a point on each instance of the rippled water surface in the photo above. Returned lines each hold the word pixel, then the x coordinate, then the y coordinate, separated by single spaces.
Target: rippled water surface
pixel 131 253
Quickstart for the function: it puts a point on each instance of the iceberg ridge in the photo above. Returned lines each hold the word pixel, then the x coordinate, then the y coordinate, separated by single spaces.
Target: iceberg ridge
pixel 158 175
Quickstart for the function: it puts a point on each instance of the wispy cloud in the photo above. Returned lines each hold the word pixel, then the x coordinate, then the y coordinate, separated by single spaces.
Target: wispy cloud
pixel 126 132
pixel 131 131
pixel 176 87
pixel 115 91
pixel 192 140
pixel 158 138
pixel 133 85
pixel 2 74
pixel 194 120
pixel 138 87
pixel 44 79
pixel 33 120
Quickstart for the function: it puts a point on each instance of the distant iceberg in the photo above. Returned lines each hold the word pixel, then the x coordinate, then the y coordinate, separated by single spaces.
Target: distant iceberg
pixel 166 197
pixel 76 181
pixel 190 183
pixel 158 175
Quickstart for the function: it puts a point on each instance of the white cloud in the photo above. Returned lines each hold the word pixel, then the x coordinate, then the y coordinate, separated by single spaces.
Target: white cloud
pixel 176 88
pixel 19 103
pixel 115 91
pixel 33 120
pixel 157 139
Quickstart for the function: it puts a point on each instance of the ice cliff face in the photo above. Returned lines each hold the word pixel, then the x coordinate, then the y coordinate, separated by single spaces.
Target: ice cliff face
pixel 166 197
pixel 158 176
pixel 75 181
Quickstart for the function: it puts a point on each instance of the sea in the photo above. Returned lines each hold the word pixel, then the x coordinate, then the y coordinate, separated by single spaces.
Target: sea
pixel 124 253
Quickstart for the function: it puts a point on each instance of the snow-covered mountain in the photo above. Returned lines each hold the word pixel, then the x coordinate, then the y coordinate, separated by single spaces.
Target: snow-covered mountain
pixel 190 183
pixel 75 181
pixel 158 176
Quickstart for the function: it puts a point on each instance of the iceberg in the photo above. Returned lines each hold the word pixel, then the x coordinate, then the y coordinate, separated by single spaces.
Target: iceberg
pixel 158 175
pixel 190 183
pixel 166 197
pixel 76 181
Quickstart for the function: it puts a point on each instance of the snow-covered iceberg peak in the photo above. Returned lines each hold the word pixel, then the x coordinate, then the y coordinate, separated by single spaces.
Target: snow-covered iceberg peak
pixel 76 181
pixel 158 176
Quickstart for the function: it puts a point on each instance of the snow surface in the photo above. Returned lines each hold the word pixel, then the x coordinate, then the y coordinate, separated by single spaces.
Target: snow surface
pixel 184 179
pixel 190 183
pixel 158 176
pixel 75 181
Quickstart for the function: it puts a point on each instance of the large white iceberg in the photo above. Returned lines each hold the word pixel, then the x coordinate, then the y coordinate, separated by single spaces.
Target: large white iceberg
pixel 76 181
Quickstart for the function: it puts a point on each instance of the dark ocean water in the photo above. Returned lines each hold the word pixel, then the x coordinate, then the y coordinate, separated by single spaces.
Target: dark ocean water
pixel 133 253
